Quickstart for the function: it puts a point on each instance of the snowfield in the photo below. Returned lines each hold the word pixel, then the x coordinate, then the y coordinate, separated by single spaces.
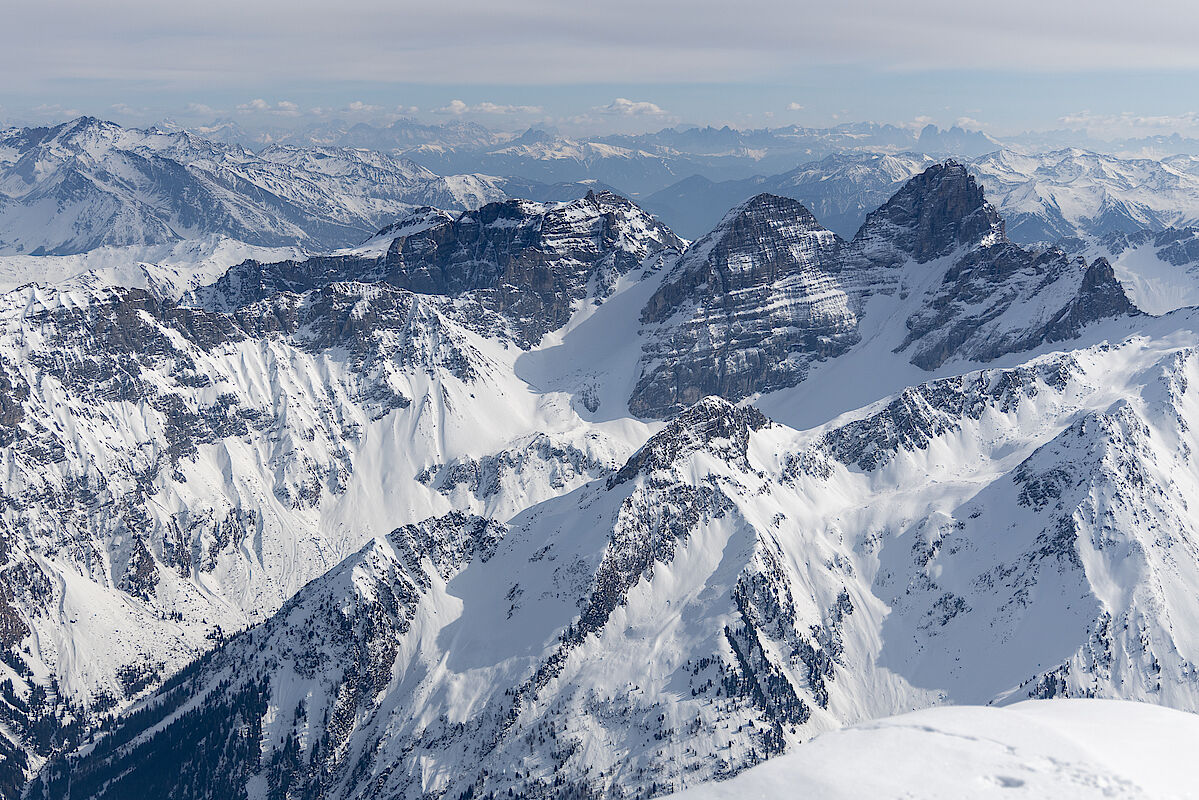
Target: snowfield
pixel 1061 749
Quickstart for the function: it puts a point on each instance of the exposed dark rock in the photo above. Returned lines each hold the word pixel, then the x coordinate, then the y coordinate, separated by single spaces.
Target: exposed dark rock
pixel 747 309
pixel 529 261
pixel 712 424
pixel 1001 299
pixel 936 212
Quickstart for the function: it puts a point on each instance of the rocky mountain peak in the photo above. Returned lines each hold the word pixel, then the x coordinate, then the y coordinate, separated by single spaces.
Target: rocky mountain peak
pixel 935 213
pixel 748 307
pixel 532 262
pixel 763 238
pixel 712 424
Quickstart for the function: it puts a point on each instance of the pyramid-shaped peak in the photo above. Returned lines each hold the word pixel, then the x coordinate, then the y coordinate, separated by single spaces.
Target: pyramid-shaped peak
pixel 774 206
pixel 936 212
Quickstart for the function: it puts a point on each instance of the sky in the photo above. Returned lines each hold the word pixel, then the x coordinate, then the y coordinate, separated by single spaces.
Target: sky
pixel 1111 68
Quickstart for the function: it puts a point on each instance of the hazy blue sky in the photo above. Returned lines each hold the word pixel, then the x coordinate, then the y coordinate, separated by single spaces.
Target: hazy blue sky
pixel 1117 68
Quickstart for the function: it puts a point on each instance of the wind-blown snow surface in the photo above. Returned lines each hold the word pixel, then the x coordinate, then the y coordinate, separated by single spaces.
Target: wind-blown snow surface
pixel 1064 749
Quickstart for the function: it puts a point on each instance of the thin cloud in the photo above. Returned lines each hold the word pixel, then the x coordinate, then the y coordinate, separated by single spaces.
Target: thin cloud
pixel 128 110
pixel 459 107
pixel 1128 123
pixel 283 108
pixel 794 107
pixel 632 108
pixel 56 111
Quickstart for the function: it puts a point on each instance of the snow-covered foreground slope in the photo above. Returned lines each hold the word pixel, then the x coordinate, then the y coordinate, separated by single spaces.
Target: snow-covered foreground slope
pixel 1066 749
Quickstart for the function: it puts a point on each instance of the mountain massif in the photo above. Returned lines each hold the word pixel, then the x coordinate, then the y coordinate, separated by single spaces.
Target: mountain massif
pixel 539 500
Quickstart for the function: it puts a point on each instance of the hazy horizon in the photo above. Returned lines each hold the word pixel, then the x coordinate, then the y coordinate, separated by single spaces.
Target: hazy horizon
pixel 620 68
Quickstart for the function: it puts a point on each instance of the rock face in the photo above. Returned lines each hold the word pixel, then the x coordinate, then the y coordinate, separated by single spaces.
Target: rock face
pixel 747 308
pixel 532 262
pixel 999 300
pixel 170 471
pixel 753 306
pixel 937 212
pixel 355 615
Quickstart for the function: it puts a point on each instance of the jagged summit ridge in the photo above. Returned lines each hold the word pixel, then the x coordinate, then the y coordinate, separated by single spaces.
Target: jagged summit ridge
pixel 750 564
pixel 768 295
pixel 531 262
pixel 741 590
pixel 712 424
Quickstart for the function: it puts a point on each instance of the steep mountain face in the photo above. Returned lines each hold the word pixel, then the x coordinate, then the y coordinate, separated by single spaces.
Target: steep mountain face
pixel 531 262
pixel 757 301
pixel 935 213
pixel 398 496
pixel 1159 269
pixel 734 589
pixel 756 305
pixel 173 474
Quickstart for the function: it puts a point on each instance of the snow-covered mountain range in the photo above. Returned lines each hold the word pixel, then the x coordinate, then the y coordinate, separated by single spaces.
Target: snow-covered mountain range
pixel 1044 197
pixel 640 164
pixel 87 184
pixel 539 500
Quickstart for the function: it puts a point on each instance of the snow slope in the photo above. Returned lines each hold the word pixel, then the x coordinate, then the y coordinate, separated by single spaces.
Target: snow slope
pixel 1160 269
pixel 1075 192
pixel 739 587
pixel 1068 749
